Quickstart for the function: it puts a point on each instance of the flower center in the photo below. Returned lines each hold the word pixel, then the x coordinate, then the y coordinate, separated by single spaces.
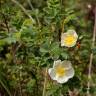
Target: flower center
pixel 69 40
pixel 60 71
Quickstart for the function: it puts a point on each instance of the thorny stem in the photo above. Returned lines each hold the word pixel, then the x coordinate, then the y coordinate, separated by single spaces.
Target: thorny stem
pixel 24 10
pixel 91 56
pixel 45 81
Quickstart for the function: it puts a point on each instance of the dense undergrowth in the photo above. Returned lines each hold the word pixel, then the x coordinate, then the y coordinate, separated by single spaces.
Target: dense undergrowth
pixel 30 41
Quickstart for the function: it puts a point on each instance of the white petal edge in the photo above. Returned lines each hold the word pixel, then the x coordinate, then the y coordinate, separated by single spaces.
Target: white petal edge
pixel 56 63
pixel 52 73
pixel 63 35
pixel 70 73
pixel 75 35
pixel 66 77
pixel 62 80
pixel 73 32
pixel 66 64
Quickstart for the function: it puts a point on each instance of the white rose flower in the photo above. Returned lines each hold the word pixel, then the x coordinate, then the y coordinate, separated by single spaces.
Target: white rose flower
pixel 69 38
pixel 62 71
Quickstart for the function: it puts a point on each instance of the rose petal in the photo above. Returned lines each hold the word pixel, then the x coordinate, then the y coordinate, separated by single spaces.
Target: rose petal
pixel 56 63
pixel 72 32
pixel 52 73
pixel 62 79
pixel 69 73
pixel 66 64
pixel 64 35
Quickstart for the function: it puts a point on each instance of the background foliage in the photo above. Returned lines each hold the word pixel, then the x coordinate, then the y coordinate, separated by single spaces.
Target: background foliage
pixel 29 45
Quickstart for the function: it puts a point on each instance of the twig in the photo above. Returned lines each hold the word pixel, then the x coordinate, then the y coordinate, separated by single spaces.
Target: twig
pixel 24 10
pixel 15 93
pixel 5 21
pixel 91 58
pixel 45 81
pixel 30 4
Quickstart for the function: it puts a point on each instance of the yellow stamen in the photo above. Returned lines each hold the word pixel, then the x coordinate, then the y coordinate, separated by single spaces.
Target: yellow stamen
pixel 69 40
pixel 60 71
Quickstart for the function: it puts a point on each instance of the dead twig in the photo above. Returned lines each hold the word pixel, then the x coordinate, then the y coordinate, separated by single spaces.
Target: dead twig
pixel 23 9
pixel 91 57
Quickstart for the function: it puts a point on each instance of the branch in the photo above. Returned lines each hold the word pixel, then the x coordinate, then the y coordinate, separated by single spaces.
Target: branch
pixel 91 57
